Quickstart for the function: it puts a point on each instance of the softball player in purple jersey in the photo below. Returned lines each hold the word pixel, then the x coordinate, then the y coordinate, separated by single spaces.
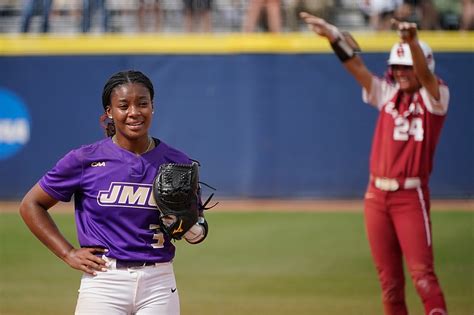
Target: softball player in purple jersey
pixel 126 259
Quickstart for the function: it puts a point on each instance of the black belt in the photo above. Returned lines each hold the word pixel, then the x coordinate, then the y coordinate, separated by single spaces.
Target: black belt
pixel 124 264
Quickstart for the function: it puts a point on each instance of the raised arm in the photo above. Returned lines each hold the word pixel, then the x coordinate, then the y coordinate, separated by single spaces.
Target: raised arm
pixel 34 211
pixel 344 47
pixel 408 34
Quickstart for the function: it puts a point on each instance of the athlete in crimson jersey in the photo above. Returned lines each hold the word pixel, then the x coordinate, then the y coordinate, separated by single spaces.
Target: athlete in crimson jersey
pixel 412 105
pixel 407 131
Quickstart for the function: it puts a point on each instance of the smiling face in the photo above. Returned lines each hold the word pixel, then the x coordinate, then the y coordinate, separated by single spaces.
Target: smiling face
pixel 131 109
pixel 405 76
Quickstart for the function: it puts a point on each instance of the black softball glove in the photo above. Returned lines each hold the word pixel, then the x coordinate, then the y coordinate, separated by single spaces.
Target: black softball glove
pixel 176 192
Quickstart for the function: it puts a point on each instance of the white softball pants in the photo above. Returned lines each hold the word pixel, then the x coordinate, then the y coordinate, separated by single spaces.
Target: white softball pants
pixel 139 290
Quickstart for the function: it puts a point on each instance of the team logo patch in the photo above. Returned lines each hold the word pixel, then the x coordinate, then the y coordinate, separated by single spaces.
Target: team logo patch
pixel 400 51
pixel 97 164
pixel 128 195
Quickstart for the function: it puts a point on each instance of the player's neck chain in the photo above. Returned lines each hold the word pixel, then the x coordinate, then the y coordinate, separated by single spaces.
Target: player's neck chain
pixel 151 144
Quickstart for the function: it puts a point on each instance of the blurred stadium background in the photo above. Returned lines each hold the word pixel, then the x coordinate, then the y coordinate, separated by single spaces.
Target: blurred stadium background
pixel 227 15
pixel 268 105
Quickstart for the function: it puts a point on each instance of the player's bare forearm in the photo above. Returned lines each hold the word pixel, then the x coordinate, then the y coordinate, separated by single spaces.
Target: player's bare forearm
pixel 408 34
pixel 359 71
pixel 34 211
pixel 423 73
pixel 352 62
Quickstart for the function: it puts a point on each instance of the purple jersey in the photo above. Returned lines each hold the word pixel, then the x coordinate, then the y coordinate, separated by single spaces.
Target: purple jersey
pixel 113 199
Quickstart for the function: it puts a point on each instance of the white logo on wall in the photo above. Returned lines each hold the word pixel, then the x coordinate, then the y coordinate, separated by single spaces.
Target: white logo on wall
pixel 14 124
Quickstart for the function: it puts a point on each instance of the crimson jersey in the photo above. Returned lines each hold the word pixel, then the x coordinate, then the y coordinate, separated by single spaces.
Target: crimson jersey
pixel 407 132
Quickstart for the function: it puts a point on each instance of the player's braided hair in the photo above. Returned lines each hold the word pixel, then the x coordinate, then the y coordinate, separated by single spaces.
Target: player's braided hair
pixel 120 78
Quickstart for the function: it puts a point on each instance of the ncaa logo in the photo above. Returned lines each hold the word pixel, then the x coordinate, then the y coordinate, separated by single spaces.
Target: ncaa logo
pixel 14 124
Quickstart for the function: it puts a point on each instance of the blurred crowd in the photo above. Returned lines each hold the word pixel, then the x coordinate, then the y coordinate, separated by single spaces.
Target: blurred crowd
pixel 226 15
pixel 428 14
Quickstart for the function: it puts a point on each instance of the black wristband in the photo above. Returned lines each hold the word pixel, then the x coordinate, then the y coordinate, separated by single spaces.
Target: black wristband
pixel 343 50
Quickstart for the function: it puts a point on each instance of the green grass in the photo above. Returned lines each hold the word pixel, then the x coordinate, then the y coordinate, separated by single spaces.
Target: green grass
pixel 252 263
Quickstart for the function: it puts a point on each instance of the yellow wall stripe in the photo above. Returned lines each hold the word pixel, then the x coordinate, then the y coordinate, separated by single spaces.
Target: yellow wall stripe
pixel 286 43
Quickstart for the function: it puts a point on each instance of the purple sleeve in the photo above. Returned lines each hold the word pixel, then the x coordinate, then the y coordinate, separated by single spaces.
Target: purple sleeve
pixel 64 179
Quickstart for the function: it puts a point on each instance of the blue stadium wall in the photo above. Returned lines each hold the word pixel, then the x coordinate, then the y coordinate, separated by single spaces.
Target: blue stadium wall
pixel 263 124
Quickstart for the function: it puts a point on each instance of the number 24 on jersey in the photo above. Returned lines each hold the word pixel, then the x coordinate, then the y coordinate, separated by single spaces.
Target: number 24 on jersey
pixel 405 128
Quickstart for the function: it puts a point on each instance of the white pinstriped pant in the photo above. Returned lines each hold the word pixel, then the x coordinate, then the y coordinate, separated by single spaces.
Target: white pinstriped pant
pixel 141 291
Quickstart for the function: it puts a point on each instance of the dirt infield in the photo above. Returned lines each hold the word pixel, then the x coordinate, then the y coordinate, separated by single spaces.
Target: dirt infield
pixel 278 205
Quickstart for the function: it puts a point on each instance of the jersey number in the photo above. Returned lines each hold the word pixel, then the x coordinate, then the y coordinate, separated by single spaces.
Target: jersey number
pixel 158 236
pixel 405 128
